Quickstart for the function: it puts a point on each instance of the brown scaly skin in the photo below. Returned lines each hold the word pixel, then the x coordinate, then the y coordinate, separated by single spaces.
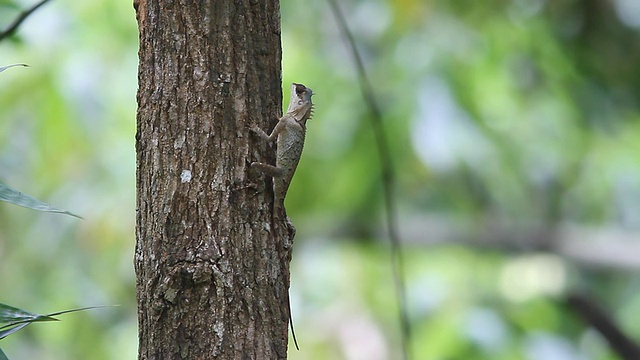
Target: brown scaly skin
pixel 289 132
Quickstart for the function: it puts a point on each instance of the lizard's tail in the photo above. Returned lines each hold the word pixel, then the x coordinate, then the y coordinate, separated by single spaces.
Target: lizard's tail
pixel 293 332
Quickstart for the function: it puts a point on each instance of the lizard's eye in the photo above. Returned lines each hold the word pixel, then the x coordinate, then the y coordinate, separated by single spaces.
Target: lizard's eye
pixel 300 89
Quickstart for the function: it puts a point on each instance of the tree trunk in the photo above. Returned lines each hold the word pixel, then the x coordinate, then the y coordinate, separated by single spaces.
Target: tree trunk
pixel 212 269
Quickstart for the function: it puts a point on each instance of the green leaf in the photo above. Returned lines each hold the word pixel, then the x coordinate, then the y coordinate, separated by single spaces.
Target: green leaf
pixel 73 310
pixel 5 68
pixel 17 198
pixel 16 319
pixel 3 356
pixel 11 315
pixel 10 330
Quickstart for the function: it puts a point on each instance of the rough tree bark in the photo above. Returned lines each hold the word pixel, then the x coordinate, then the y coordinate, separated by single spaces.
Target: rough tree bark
pixel 212 276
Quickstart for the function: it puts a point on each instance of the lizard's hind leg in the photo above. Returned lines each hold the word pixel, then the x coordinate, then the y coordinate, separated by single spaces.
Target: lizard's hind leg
pixel 267 169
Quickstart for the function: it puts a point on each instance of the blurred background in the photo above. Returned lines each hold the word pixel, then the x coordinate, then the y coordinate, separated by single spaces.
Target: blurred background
pixel 515 135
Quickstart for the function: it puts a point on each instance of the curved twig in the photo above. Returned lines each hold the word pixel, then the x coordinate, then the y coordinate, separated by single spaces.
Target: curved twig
pixel 595 316
pixel 16 23
pixel 388 179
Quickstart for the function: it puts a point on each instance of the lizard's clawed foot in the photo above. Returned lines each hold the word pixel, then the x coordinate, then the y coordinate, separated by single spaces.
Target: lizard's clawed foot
pixel 253 127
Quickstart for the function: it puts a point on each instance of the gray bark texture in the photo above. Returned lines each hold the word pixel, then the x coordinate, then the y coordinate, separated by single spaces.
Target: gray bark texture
pixel 212 267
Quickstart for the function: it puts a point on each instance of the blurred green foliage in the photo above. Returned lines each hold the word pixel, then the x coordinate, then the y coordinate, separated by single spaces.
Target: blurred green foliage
pixel 505 118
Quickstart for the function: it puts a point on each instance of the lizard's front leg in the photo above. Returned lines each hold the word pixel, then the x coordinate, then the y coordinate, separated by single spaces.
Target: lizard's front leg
pixel 267 169
pixel 274 134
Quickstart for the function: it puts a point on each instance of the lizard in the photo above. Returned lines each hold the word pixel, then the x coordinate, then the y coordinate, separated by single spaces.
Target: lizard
pixel 290 133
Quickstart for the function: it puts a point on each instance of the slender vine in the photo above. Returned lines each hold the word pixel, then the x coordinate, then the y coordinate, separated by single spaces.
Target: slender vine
pixel 388 180
pixel 19 19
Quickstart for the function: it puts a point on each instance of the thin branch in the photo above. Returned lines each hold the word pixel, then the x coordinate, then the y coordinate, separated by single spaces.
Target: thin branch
pixel 388 180
pixel 594 247
pixel 595 316
pixel 16 23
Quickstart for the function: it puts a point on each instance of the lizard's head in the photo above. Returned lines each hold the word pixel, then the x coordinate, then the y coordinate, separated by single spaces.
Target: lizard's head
pixel 300 105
